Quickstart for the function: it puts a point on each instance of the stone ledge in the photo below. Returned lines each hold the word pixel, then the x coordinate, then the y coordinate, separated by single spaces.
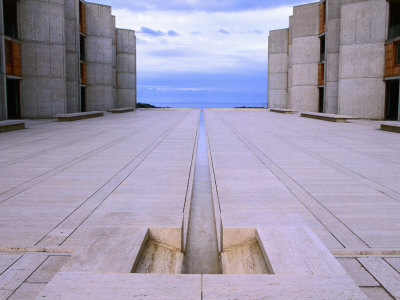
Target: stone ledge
pixel 11 125
pixel 326 117
pixel 283 111
pixel 121 110
pixel 391 127
pixel 79 116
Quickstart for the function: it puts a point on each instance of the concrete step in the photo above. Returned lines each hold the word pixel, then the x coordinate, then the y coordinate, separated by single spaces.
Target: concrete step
pixel 121 110
pixel 79 116
pixel 326 117
pixel 392 127
pixel 11 125
pixel 282 111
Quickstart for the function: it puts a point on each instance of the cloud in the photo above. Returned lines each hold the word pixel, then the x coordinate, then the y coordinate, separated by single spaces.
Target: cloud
pixel 173 33
pixel 223 31
pixel 199 5
pixel 157 33
pixel 149 31
pixel 201 43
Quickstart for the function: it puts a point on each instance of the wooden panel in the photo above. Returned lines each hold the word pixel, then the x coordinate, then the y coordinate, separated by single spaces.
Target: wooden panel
pixel 16 57
pixel 13 58
pixel 322 10
pixel 391 69
pixel 83 73
pixel 82 14
pixel 321 74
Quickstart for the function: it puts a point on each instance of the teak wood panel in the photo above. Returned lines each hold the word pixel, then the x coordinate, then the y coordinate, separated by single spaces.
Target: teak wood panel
pixel 322 17
pixel 82 19
pixel 321 74
pixel 13 62
pixel 83 73
pixel 391 68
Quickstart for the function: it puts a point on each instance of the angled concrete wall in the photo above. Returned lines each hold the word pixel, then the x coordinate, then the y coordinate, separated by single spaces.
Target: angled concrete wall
pixel 304 58
pixel 278 63
pixel 362 59
pixel 126 68
pixel 43 82
pixel 2 70
pixel 289 98
pixel 72 55
pixel 99 57
pixel 332 40
pixel 114 62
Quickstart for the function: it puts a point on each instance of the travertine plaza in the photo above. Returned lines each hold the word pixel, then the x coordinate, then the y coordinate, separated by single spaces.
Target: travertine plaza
pixel 107 202
pixel 161 204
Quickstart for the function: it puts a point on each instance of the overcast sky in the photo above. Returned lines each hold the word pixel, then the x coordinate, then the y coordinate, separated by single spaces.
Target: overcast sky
pixel 202 53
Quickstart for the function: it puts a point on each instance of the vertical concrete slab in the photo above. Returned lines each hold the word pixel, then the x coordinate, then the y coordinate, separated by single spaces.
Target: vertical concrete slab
pixel 332 39
pixel 304 58
pixel 72 45
pixel 114 61
pixel 278 63
pixel 2 69
pixel 43 85
pixel 126 68
pixel 99 58
pixel 362 59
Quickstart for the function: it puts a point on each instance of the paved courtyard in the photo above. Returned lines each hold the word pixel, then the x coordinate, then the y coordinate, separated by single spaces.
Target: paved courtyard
pixel 101 208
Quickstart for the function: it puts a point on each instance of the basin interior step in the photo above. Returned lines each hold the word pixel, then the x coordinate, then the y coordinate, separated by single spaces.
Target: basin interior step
pixel 11 125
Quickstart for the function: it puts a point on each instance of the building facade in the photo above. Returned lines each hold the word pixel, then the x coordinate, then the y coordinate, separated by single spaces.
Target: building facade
pixel 63 56
pixel 339 57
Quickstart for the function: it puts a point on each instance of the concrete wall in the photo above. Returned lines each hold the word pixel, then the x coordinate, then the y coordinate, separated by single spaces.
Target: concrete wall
pixel 278 63
pixel 304 58
pixel 362 58
pixel 2 69
pixel 126 68
pixel 332 40
pixel 72 55
pixel 289 98
pixel 43 82
pixel 99 56
pixel 114 62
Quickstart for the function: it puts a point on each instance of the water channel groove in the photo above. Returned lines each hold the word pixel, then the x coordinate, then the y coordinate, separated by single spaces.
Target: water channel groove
pixel 202 255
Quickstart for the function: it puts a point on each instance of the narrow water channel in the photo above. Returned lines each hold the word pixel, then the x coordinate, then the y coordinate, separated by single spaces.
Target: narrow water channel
pixel 202 256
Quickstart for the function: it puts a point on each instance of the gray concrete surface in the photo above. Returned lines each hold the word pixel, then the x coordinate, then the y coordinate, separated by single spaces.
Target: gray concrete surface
pixel 95 191
pixel 278 49
pixel 126 68
pixel 43 88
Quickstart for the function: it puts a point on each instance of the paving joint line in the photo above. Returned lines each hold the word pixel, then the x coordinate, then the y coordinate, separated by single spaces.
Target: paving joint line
pixel 35 181
pixel 134 164
pixel 352 234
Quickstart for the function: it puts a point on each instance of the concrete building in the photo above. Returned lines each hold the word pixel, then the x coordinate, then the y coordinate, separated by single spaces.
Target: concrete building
pixel 338 57
pixel 61 57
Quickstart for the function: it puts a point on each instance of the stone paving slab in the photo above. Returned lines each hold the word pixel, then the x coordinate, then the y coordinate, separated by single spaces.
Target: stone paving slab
pixel 85 286
pixel 81 189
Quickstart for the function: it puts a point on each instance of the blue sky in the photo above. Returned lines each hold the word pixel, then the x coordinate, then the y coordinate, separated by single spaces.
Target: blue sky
pixel 202 53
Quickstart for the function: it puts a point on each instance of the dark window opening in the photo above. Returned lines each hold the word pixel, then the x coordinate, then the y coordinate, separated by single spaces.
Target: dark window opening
pixel 322 48
pixel 10 18
pixel 82 48
pixel 392 100
pixel 321 100
pixel 8 52
pixel 13 99
pixel 83 99
pixel 394 20
pixel 397 54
